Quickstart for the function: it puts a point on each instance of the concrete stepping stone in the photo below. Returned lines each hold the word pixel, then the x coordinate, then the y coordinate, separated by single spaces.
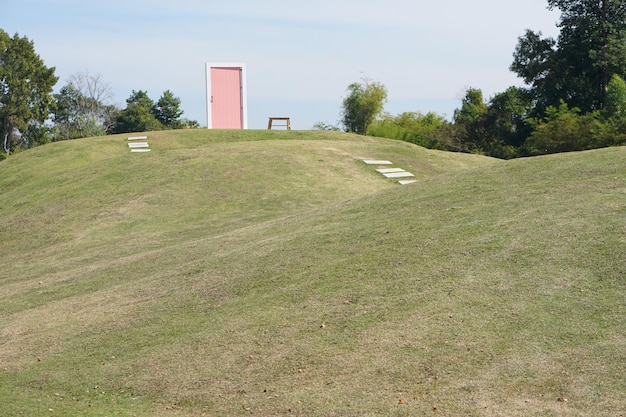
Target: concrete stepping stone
pixel 388 170
pixel 137 138
pixel 139 145
pixel 377 162
pixel 405 182
pixel 140 150
pixel 402 174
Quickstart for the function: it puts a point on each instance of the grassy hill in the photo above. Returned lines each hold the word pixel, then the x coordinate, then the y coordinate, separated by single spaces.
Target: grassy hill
pixel 274 273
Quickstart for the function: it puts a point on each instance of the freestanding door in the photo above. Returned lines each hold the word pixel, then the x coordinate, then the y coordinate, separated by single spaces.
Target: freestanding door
pixel 226 96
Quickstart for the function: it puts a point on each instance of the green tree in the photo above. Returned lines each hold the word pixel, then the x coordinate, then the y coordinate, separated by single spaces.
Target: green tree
pixel 533 62
pixel 363 103
pixel 142 114
pixel 139 114
pixel 615 108
pixel 506 124
pixel 25 93
pixel 470 119
pixel 564 129
pixel 614 113
pixel 168 112
pixel 591 47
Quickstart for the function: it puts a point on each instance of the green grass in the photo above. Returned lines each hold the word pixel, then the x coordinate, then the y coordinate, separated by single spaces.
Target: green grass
pixel 273 273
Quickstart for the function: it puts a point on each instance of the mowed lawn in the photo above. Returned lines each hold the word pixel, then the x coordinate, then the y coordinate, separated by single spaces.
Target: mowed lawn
pixel 274 273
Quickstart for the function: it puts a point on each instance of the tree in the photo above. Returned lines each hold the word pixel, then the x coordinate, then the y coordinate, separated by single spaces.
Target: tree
pixel 533 62
pixel 614 113
pixel 592 47
pixel 142 114
pixel 470 118
pixel 506 123
pixel 82 108
pixel 138 116
pixel 363 103
pixel 168 112
pixel 615 106
pixel 69 117
pixel 577 69
pixel 25 93
pixel 564 129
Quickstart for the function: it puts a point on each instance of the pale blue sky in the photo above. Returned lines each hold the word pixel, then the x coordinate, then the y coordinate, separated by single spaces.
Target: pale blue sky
pixel 300 56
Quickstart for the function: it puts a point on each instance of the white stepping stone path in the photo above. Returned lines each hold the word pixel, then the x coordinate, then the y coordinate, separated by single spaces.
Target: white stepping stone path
pixel 391 172
pixel 138 147
pixel 377 162
pixel 402 174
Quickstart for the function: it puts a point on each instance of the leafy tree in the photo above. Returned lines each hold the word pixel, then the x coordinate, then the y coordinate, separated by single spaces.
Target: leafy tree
pixel 64 113
pixel 577 69
pixel 615 107
pixel 592 47
pixel 38 134
pixel 564 129
pixel 139 114
pixel 142 114
pixel 496 128
pixel 533 62
pixel 473 107
pixel 505 123
pixel 470 118
pixel 141 98
pixel 614 113
pixel 25 93
pixel 168 112
pixel 363 103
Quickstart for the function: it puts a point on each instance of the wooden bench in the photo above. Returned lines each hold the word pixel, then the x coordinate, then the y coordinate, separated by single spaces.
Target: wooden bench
pixel 282 119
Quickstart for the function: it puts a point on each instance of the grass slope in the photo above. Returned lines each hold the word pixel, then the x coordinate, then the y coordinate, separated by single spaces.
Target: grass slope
pixel 273 273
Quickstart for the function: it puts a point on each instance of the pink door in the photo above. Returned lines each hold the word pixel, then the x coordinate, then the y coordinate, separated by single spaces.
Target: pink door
pixel 226 98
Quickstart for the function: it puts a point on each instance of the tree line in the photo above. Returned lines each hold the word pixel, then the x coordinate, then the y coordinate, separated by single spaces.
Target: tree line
pixel 31 115
pixel 574 94
pixel 573 98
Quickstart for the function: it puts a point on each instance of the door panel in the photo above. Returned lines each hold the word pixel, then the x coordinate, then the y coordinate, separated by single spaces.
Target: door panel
pixel 226 98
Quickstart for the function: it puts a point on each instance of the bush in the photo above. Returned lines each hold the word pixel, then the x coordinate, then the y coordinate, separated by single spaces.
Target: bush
pixel 417 128
pixel 564 130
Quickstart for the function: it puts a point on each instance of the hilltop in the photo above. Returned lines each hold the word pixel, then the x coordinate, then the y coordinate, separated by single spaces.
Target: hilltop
pixel 274 273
